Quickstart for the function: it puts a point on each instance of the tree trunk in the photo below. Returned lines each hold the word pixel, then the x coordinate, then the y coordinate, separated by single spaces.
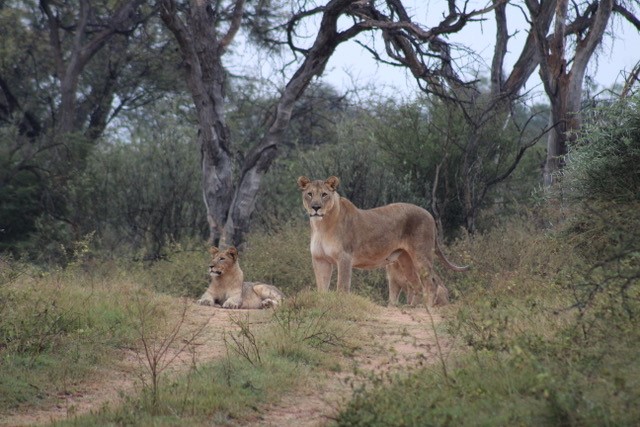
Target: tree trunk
pixel 563 85
pixel 259 159
pixel 202 50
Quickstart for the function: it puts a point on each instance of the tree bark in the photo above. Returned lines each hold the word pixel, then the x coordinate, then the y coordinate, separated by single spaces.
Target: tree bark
pixel 562 84
pixel 202 50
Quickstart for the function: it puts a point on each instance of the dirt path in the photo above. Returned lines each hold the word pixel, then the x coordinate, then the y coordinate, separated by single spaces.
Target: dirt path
pixel 395 339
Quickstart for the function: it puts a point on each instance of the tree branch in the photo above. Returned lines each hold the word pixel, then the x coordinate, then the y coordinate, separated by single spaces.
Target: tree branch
pixel 236 20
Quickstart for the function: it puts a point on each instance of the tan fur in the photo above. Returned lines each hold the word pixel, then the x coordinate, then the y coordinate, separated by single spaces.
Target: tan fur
pixel 228 288
pixel 400 237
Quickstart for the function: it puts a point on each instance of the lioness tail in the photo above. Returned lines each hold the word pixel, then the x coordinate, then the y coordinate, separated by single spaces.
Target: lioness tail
pixel 446 261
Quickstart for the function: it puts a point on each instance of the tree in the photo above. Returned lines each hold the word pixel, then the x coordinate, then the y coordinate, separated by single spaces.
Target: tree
pixel 197 27
pixel 563 84
pixel 67 69
pixel 409 44
pixel 430 59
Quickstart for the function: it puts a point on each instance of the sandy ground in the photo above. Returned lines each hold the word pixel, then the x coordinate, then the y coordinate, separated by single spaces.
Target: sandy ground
pixel 395 339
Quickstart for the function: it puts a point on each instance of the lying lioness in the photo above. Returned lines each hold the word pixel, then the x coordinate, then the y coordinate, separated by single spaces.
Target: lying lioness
pixel 228 288
pixel 400 236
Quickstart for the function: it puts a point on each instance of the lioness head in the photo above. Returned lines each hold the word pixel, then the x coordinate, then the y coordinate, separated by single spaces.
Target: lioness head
pixel 221 261
pixel 319 197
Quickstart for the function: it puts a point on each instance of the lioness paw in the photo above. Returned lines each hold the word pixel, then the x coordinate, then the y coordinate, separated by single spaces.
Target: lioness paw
pixel 268 303
pixel 205 301
pixel 231 304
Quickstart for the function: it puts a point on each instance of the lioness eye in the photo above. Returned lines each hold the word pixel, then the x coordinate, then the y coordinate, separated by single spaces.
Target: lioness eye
pixel 324 194
pixel 221 258
pixel 309 194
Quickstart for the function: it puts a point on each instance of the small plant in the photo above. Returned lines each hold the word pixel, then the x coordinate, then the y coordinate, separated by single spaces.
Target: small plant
pixel 245 342
pixel 161 346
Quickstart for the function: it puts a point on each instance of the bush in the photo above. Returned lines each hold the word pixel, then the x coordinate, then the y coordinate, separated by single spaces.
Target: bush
pixel 603 165
pixel 183 271
pixel 55 327
pixel 602 179
pixel 530 359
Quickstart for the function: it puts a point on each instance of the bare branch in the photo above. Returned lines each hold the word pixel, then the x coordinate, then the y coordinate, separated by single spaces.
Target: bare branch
pixel 236 20
pixel 618 8
pixel 630 81
pixel 593 38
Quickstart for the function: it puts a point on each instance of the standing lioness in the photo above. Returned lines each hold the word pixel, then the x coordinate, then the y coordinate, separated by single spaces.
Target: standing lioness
pixel 228 288
pixel 399 236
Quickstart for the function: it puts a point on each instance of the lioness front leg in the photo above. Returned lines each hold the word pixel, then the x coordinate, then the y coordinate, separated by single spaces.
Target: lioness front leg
pixel 206 299
pixel 323 271
pixel 344 274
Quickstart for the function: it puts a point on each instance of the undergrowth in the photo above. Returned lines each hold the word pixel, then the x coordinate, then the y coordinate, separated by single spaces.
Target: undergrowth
pixel 55 329
pixel 547 334
pixel 264 360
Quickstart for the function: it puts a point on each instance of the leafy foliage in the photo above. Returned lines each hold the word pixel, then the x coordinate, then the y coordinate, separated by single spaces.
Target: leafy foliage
pixel 143 193
pixel 54 329
pixel 604 163
pixel 548 316
pixel 530 359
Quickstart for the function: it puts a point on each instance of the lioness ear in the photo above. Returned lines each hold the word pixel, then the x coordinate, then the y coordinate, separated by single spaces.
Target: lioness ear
pixel 333 182
pixel 233 253
pixel 303 181
pixel 213 250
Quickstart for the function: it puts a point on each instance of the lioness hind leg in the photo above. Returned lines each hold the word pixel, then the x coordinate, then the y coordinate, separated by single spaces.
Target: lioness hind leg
pixel 403 276
pixel 441 296
pixel 268 293
pixel 395 279
pixel 269 303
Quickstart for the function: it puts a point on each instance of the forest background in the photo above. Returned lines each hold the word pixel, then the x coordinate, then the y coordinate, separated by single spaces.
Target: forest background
pixel 129 143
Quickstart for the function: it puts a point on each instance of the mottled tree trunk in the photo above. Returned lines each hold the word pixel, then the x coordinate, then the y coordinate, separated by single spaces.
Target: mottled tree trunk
pixel 202 49
pixel 229 206
pixel 562 84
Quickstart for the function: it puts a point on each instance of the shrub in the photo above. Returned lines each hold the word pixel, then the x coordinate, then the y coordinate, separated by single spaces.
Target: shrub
pixel 181 272
pixel 530 358
pixel 602 179
pixel 603 165
pixel 55 327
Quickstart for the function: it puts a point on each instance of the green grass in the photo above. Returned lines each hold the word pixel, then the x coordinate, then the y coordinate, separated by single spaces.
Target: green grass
pixel 55 329
pixel 265 360
pixel 543 338
pixel 216 394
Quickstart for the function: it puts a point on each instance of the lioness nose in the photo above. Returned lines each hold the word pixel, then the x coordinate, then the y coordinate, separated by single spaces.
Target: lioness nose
pixel 316 207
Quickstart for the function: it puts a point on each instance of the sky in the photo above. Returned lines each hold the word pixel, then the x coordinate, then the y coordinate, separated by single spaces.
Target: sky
pixel 352 67
pixel 352 64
